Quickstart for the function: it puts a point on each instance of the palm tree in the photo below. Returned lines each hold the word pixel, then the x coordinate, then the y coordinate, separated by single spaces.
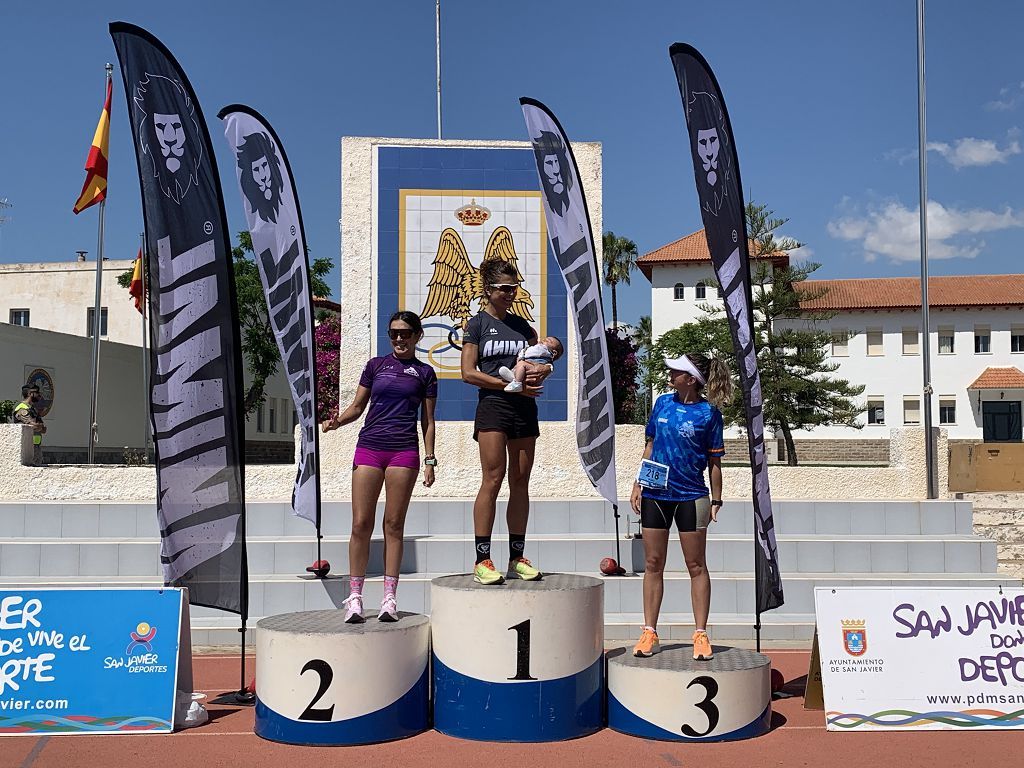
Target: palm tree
pixel 619 261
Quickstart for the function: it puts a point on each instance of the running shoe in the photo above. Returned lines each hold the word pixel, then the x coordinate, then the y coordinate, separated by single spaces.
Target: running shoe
pixel 506 373
pixel 648 644
pixel 514 386
pixel 486 573
pixel 521 568
pixel 701 646
pixel 388 609
pixel 354 604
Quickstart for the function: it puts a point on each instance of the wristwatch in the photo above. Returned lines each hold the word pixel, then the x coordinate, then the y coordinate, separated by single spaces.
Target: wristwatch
pixel 716 502
pixel 430 461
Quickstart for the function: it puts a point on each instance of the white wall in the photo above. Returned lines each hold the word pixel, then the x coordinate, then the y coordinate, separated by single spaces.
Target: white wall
pixel 667 312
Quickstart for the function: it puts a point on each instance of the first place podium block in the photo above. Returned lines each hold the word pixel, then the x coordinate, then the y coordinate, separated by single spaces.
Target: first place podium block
pixel 322 681
pixel 674 698
pixel 521 661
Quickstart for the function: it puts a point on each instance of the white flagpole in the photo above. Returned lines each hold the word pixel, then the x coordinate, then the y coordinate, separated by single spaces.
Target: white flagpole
pixel 145 351
pixel 96 322
pixel 437 40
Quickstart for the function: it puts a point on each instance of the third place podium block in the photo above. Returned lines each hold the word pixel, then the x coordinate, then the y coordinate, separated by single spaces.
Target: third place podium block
pixel 672 697
pixel 521 661
pixel 322 681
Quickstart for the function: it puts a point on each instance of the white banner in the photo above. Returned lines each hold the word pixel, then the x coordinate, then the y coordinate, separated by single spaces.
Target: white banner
pixel 275 223
pixel 565 209
pixel 920 658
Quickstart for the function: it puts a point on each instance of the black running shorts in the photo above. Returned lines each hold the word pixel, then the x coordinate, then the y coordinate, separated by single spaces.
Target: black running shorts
pixel 689 516
pixel 513 415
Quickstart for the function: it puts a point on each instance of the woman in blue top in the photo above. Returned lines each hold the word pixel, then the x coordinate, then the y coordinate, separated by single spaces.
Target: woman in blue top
pixel 684 437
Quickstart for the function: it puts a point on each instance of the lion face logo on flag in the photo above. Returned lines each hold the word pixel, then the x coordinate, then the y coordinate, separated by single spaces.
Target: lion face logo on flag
pixel 711 150
pixel 456 283
pixel 556 176
pixel 261 178
pixel 168 133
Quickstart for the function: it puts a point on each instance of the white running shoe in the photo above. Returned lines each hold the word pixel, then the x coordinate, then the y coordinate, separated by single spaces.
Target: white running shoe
pixel 388 609
pixel 354 604
pixel 506 373
pixel 514 386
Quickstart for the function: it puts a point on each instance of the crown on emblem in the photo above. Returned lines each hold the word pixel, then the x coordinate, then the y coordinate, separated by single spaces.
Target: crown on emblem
pixel 853 623
pixel 472 215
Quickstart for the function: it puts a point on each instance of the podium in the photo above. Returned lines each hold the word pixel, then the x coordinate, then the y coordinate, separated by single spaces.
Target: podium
pixel 518 662
pixel 674 698
pixel 324 682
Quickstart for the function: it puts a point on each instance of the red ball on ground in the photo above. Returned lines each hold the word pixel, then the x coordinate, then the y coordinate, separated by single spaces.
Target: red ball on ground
pixel 609 567
pixel 778 681
pixel 319 568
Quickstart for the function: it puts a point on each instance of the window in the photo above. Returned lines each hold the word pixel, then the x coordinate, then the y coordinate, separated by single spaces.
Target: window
pixel 982 340
pixel 90 321
pixel 840 343
pixel 19 317
pixel 259 418
pixel 946 341
pixel 273 414
pixel 678 292
pixel 1016 338
pixel 286 423
pixel 875 347
pixel 912 410
pixel 876 410
pixel 947 410
pixel 718 290
pixel 700 290
pixel 911 343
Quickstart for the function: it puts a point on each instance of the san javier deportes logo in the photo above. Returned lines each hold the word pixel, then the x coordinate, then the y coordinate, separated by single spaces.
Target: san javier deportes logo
pixel 134 662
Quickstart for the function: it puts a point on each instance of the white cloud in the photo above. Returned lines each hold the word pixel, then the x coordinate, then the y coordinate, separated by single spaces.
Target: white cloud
pixel 1010 97
pixel 892 231
pixel 967 152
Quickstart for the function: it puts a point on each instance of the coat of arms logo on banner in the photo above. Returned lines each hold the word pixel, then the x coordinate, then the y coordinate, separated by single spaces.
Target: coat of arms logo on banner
pixel 855 637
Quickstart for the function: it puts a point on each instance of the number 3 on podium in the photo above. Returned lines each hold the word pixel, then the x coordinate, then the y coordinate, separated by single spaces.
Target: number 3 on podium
pixel 705 705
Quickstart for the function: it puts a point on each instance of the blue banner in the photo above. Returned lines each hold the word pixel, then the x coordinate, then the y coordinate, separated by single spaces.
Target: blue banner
pixel 88 661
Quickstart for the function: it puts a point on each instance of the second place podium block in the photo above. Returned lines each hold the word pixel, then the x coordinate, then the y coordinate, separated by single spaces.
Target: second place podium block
pixel 520 661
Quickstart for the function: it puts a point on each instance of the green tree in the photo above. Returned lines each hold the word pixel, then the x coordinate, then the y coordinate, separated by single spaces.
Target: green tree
pixel 792 346
pixel 259 348
pixel 619 256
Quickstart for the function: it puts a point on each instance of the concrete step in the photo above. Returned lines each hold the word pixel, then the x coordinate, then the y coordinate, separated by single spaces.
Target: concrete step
pixel 454 516
pixel 453 553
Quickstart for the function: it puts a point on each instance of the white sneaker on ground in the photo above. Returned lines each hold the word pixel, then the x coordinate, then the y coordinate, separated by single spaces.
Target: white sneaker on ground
pixel 514 386
pixel 388 609
pixel 354 604
pixel 506 373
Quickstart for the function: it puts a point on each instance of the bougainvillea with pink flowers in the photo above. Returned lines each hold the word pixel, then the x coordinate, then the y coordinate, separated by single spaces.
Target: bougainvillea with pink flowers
pixel 328 363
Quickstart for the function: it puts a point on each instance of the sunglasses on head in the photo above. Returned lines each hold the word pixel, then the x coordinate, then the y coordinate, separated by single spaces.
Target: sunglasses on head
pixel 399 333
pixel 506 287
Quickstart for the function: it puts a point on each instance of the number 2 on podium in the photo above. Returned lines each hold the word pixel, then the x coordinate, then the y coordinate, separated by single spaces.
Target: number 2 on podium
pixel 522 630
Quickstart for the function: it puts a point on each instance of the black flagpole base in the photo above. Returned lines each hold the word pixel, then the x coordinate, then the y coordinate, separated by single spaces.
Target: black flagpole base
pixel 245 698
pixel 620 571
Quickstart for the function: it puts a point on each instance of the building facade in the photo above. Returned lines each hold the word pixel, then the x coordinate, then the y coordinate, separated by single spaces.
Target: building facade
pixel 976 338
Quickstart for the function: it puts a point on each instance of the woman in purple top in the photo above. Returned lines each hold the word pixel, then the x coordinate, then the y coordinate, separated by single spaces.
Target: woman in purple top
pixel 400 390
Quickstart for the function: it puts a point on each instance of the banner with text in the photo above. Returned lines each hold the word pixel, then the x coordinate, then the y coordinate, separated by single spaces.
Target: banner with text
pixel 88 661
pixel 717 172
pixel 568 220
pixel 920 658
pixel 278 239
pixel 195 356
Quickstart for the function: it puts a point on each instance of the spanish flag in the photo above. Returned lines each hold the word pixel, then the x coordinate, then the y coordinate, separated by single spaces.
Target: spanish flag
pixel 137 288
pixel 95 188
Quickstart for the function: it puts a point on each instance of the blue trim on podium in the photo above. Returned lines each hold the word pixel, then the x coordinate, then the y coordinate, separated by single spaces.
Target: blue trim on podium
pixel 625 721
pixel 407 716
pixel 527 711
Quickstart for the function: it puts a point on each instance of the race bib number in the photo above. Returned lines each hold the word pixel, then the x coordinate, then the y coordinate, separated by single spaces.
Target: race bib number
pixel 653 475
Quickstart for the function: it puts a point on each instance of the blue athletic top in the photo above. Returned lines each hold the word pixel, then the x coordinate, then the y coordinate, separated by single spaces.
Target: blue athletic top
pixel 684 436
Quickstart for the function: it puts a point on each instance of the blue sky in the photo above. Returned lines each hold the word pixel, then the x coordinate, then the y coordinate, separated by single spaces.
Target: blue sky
pixel 822 96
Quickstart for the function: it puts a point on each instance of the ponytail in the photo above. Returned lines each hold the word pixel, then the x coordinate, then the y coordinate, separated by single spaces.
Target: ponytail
pixel 716 373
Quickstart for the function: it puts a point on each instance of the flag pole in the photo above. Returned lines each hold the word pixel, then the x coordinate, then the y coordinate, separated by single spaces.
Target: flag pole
pixel 145 350
pixel 97 318
pixel 437 42
pixel 922 160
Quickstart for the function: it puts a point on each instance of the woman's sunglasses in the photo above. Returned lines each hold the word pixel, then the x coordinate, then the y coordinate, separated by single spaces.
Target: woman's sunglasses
pixel 399 333
pixel 506 287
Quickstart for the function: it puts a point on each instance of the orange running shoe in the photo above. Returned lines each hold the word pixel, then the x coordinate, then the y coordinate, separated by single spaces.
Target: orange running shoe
pixel 701 646
pixel 647 645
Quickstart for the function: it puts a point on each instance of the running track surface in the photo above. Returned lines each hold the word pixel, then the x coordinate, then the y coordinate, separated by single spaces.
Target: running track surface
pixel 798 738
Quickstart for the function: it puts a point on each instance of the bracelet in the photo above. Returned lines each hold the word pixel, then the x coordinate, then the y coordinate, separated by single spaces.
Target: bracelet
pixel 716 502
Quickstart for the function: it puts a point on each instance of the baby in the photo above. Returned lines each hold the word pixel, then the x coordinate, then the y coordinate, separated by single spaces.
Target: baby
pixel 532 359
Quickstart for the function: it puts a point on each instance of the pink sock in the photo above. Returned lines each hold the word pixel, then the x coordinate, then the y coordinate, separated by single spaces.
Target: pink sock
pixel 355 585
pixel 390 585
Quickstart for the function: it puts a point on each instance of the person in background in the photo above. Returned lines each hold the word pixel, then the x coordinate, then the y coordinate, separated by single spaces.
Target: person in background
pixel 25 413
pixel 400 389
